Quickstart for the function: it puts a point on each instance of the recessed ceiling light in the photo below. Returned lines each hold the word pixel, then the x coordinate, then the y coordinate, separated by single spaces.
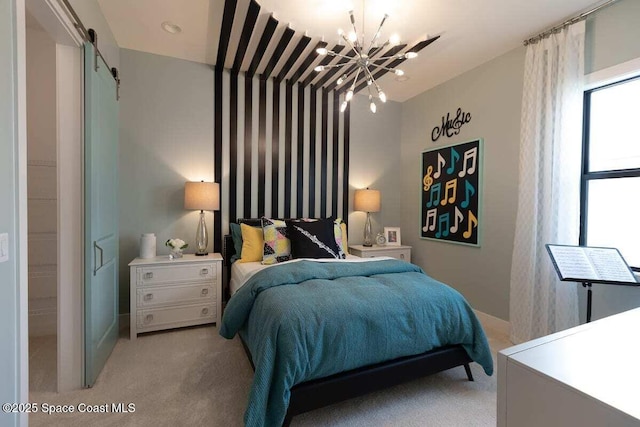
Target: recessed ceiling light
pixel 402 78
pixel 170 27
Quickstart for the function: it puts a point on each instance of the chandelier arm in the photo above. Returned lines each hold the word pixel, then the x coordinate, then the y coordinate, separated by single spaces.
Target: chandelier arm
pixel 369 90
pixel 350 44
pixel 326 67
pixel 345 76
pixel 383 67
pixel 377 34
pixel 373 80
pixel 339 55
pixel 353 86
pixel 353 24
pixel 386 58
pixel 374 51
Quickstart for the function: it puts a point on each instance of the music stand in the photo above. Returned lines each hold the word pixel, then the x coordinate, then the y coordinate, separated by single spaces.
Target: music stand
pixel 588 265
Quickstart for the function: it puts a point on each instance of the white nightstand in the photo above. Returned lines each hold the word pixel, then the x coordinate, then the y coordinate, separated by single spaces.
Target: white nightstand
pixel 174 293
pixel 399 252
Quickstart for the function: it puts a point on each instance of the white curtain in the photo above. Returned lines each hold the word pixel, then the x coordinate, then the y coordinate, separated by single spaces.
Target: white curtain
pixel 549 186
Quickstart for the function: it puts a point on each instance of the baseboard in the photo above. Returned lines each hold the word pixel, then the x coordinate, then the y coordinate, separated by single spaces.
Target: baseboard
pixel 491 322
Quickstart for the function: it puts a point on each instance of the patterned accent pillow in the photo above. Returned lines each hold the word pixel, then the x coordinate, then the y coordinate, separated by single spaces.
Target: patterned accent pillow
pixel 313 239
pixel 277 247
pixel 340 231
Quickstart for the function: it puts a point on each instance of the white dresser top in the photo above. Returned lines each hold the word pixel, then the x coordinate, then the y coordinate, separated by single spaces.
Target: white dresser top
pixel 185 258
pixel 598 359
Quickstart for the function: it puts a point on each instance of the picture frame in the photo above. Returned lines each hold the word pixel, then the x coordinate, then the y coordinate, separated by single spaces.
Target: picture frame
pixel 392 234
pixel 451 193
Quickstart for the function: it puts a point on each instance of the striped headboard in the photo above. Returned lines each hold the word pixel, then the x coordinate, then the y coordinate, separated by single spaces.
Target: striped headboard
pixel 281 150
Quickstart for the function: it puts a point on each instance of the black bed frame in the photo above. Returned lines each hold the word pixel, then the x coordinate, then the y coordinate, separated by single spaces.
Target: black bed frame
pixel 315 394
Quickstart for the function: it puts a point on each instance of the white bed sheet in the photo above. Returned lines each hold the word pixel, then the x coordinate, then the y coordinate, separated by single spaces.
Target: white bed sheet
pixel 241 272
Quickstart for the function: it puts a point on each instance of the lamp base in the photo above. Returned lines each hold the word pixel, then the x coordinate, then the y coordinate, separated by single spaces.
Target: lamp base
pixel 368 235
pixel 204 254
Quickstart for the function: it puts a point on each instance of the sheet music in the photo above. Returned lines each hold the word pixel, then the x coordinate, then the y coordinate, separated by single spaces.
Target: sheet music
pixel 590 264
pixel 609 265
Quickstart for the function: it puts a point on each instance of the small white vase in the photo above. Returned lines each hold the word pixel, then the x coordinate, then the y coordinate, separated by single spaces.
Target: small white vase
pixel 148 245
pixel 175 253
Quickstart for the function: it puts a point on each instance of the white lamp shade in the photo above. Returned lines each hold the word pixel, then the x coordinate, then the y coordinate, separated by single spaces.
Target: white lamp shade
pixel 367 200
pixel 203 196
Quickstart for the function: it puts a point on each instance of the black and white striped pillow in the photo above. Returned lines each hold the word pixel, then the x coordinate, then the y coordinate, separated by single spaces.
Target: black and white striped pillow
pixel 313 239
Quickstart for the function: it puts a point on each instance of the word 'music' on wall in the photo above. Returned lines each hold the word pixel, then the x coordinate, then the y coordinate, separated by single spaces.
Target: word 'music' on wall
pixel 450 125
pixel 451 187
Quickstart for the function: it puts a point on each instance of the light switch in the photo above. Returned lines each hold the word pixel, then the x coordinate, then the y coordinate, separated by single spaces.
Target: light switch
pixel 4 247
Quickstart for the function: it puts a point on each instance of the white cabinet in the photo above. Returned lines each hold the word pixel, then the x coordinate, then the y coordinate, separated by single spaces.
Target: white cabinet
pixel 584 376
pixel 399 252
pixel 174 293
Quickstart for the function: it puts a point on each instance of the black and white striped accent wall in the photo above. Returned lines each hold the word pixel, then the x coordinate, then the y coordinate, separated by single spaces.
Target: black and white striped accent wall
pixel 281 144
pixel 284 149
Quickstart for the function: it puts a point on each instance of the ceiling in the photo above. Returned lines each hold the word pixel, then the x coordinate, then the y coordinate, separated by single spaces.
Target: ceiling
pixel 278 38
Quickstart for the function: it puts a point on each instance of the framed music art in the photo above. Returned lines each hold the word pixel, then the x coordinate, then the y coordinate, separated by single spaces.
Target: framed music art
pixel 451 193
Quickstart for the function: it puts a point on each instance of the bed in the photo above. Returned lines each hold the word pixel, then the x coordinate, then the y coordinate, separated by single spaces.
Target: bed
pixel 319 332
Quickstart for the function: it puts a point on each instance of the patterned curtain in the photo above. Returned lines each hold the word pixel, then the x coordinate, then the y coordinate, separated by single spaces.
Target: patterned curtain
pixel 549 185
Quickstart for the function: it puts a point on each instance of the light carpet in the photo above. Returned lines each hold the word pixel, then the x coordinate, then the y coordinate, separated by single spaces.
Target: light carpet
pixel 194 377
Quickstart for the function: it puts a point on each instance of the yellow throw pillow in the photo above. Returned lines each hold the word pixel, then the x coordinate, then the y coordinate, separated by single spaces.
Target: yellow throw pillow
pixel 252 243
pixel 345 244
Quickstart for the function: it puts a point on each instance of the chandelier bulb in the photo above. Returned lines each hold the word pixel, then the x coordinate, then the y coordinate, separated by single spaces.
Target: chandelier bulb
pixel 410 55
pixel 373 107
pixel 319 68
pixel 321 51
pixel 353 37
pixel 349 95
pixel 399 72
pixel 382 96
pixel 369 82
pixel 394 39
pixel 340 31
pixel 341 79
pixel 343 106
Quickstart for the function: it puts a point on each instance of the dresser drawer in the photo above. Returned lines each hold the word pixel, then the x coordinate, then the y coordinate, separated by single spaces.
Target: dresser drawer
pixel 403 254
pixel 179 273
pixel 160 318
pixel 165 295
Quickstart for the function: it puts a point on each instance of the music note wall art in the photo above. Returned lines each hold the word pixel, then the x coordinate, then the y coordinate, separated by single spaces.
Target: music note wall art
pixel 451 185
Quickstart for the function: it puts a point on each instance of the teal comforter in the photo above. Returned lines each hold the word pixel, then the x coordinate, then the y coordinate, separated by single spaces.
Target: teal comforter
pixel 306 320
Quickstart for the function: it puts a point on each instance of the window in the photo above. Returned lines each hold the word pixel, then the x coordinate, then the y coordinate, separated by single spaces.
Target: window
pixel 610 202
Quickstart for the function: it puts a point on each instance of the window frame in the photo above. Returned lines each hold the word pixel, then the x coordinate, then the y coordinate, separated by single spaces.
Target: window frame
pixel 587 176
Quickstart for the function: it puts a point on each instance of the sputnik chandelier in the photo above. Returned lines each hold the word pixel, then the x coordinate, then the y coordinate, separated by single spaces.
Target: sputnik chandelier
pixel 364 63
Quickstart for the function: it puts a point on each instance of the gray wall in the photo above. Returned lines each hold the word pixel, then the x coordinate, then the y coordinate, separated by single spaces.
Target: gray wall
pixel 12 360
pixel 375 163
pixel 612 36
pixel 492 94
pixel 166 139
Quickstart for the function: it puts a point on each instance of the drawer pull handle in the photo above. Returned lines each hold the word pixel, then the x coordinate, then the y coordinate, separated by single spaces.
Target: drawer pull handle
pixel 149 318
pixel 401 256
pixel 148 275
pixel 204 271
pixel 205 311
pixel 148 297
pixel 205 292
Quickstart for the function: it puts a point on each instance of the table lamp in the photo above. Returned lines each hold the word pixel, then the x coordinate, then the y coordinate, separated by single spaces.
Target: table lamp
pixel 202 196
pixel 367 201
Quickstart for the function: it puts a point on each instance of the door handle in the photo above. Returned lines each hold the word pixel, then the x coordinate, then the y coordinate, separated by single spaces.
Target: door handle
pixel 95 261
